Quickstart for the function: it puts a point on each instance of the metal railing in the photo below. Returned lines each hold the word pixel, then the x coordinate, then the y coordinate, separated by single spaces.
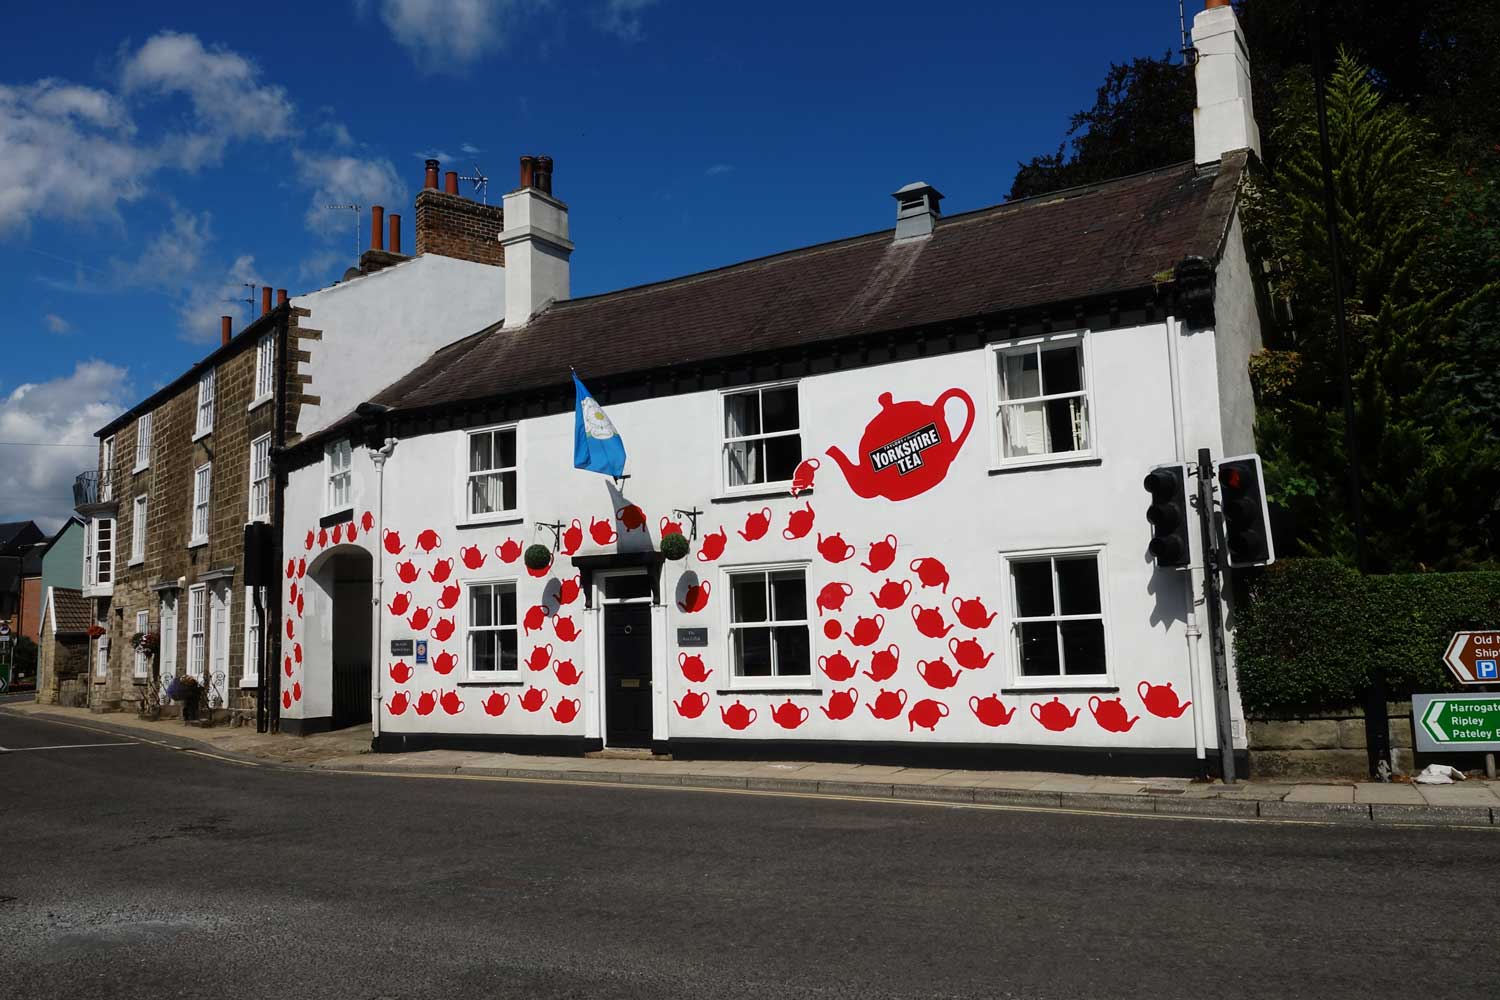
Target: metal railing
pixel 85 489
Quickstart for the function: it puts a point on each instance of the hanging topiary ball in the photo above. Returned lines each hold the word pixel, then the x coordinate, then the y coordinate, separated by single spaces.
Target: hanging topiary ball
pixel 674 546
pixel 537 556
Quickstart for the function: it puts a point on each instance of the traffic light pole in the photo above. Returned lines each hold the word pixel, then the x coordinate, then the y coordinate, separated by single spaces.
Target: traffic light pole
pixel 1214 609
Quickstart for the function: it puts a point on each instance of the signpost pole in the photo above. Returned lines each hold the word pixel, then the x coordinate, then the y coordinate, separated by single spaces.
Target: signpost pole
pixel 1214 601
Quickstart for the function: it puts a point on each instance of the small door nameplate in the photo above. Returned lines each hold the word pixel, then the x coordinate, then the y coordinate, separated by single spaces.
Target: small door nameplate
pixel 692 637
pixel 630 682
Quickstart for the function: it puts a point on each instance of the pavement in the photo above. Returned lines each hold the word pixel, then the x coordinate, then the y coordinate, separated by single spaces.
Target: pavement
pixel 1475 802
pixel 129 868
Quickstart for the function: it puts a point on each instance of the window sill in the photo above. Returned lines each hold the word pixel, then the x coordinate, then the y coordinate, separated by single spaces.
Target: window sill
pixel 202 434
pixel 775 692
pixel 249 683
pixel 491 520
pixel 769 491
pixel 1055 688
pixel 1086 459
pixel 140 469
pixel 256 404
pixel 491 684
pixel 197 543
pixel 136 562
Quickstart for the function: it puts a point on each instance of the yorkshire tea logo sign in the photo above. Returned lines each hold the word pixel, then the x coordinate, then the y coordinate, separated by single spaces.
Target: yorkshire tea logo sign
pixel 905 453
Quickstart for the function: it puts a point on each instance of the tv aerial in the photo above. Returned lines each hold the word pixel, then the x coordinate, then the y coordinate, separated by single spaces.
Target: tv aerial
pixel 354 208
pixel 481 183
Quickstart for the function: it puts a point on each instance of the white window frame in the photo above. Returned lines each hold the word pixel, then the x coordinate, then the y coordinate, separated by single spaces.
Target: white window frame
pixel 1010 615
pixel 101 653
pixel 107 471
pixel 765 486
pixel 138 514
pixel 140 669
pixel 197 634
pixel 265 370
pixel 465 503
pixel 207 389
pixel 142 443
pixel 469 628
pixel 260 479
pixel 203 478
pixel 104 556
pixel 998 402
pixel 331 472
pixel 777 681
pixel 166 657
pixel 250 673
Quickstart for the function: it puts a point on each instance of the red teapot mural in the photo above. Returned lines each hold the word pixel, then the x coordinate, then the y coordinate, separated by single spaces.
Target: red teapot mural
pixel 841 704
pixel 508 551
pixel 533 699
pixel 443 630
pixel 286 699
pixel 400 604
pixel 696 598
pixel 451 703
pixel 929 622
pixel 566 710
pixel 692 668
pixel 798 523
pixel 406 571
pixel 834 548
pixel 790 716
pixel 882 554
pixel 756 524
pixel 287 664
pixel 322 537
pixel 837 667
pixel 291 630
pixel 565 629
pixel 302 570
pixel 444 662
pixel 802 478
pixel 392 541
pixel 441 570
pixel 534 619
pixel 883 663
pixel 420 619
pixel 473 558
pixel 429 540
pixel 927 714
pixel 291 568
pixel 1054 715
pixel 602 532
pixel 866 631
pixel 931 572
pixel 540 571
pixel 308 542
pixel 426 702
pixel 667 526
pixel 297 651
pixel 906 449
pixel 937 673
pixel 969 654
pixel 832 596
pixel 737 716
pixel 350 532
pixel 567 674
pixel 496 703
pixel 991 711
pixel 367 521
pixel 568 590
pixel 540 658
pixel 572 537
pixel 449 597
pixel 888 704
pixel 692 704
pixel 338 533
pixel 973 614
pixel 1161 701
pixel 713 545
pixel 398 704
pixel 892 594
pixel 632 517
pixel 832 629
pixel 400 671
pixel 1111 714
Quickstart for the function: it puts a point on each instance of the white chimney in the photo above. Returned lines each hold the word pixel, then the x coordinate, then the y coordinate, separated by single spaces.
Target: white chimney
pixel 916 210
pixel 536 244
pixel 1224 119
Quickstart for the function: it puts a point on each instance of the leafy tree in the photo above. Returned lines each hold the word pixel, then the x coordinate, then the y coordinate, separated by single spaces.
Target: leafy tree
pixel 1142 118
pixel 1429 473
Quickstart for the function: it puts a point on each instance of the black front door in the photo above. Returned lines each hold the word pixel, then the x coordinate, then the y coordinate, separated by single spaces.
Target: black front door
pixel 627 675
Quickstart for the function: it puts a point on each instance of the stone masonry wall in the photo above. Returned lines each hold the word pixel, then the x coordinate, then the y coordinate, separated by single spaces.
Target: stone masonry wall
pixel 1327 744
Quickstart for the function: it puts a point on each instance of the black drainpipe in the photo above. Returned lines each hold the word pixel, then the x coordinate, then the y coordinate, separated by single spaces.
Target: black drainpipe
pixel 270 679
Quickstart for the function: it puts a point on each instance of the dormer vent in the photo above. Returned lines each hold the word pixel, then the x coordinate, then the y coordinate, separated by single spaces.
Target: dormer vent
pixel 916 210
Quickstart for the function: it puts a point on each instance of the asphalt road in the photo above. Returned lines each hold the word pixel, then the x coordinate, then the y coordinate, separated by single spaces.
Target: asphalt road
pixel 137 871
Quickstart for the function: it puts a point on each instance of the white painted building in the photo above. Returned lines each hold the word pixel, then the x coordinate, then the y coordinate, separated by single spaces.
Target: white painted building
pixel 909 465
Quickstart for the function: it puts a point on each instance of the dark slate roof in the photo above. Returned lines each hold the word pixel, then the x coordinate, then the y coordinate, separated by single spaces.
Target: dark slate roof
pixel 17 535
pixel 1060 248
pixel 31 560
pixel 71 610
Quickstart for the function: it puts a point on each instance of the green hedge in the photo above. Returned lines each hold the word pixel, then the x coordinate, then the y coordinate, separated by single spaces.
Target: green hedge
pixel 1313 630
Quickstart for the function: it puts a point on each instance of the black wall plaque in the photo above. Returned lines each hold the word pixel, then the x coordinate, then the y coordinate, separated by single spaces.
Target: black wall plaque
pixel 401 647
pixel 692 637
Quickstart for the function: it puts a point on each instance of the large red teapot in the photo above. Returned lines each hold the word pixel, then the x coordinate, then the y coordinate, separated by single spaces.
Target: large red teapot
pixel 906 449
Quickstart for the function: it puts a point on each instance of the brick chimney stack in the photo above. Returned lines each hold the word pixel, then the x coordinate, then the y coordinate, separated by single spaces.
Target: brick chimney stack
pixel 450 225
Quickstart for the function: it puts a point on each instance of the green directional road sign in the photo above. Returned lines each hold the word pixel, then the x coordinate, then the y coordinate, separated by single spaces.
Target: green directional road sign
pixel 1460 722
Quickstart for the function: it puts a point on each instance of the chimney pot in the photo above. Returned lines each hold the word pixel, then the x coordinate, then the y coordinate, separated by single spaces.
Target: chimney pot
pixel 226 329
pixel 265 300
pixel 432 172
pixel 528 170
pixel 543 175
pixel 280 297
pixel 394 243
pixel 450 182
pixel 1216 3
pixel 377 227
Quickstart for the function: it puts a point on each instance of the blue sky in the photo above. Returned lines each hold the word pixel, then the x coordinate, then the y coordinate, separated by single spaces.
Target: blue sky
pixel 153 158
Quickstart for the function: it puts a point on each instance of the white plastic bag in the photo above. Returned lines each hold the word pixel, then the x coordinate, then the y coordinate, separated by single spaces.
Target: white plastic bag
pixel 1439 774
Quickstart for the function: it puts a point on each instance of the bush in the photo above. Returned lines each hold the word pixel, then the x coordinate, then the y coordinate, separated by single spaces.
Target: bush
pixel 1313 631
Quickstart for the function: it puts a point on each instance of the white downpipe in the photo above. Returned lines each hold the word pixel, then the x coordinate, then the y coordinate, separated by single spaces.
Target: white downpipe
pixel 1193 579
pixel 378 456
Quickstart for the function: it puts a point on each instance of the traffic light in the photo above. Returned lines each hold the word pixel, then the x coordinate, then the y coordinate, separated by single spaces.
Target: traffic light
pixel 1167 485
pixel 1247 522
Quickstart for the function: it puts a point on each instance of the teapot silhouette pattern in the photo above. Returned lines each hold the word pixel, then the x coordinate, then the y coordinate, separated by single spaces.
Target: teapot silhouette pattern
pixel 288 665
pixel 883 663
pixel 713 545
pixel 427 540
pixel 832 629
pixel 349 531
pixel 937 673
pixel 296 691
pixel 292 595
pixel 290 629
pixel 906 448
pixel 737 716
pixel 534 619
pixel 692 704
pixel 540 571
pixel 790 716
pixel 1054 715
pixel 400 671
pixel 1161 701
pixel 406 571
pixel 297 651
pixel 426 702
pixel 692 667
pixel 832 596
pixel 696 598
pixel 509 550
pixel 802 477
pixel 565 629
pixel 927 714
pixel 572 537
pixel 602 532
pixel 866 631
pixel 632 517
pixel 533 699
pixel 441 570
pixel 338 533
pixel 566 710
pixel 299 605
pixel 931 572
pixel 451 703
pixel 302 571
pixel 567 674
pixel 443 630
pixel 969 654
pixel 322 537
pixel 400 604
pixel 973 614
pixel 837 667
pixel 367 521
pixel 892 594
pixel 841 704
pixel 568 590
pixel 834 548
pixel 420 619
pixel 472 556
pixel 540 658
pixel 391 539
pixel 991 711
pixel 449 597
pixel 291 568
pixel 398 704
pixel 311 538
pixel 444 662
pixel 1111 714
pixel 669 526
pixel 882 554
pixel 286 699
pixel 496 703
pixel 756 523
pixel 929 622
pixel 888 704
pixel 798 523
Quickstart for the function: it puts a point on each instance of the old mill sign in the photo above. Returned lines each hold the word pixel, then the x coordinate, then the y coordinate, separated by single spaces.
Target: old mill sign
pixel 1474 657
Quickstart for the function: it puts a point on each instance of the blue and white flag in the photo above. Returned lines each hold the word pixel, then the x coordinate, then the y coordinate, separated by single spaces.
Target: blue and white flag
pixel 596 444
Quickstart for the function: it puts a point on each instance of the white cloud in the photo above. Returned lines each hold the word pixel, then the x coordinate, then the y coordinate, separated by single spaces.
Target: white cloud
pixel 172 257
pixel 623 18
pixel 36 482
pixel 719 169
pixel 56 323
pixel 211 295
pixel 450 35
pixel 470 149
pixel 343 180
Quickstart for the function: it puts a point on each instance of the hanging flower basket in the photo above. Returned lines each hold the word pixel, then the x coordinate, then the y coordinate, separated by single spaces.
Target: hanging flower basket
pixel 674 546
pixel 537 557
pixel 148 643
pixel 94 631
